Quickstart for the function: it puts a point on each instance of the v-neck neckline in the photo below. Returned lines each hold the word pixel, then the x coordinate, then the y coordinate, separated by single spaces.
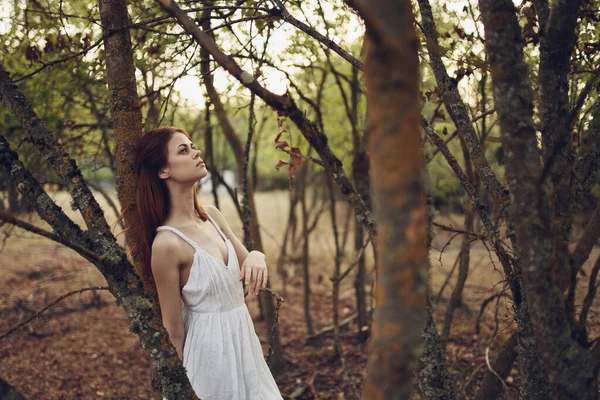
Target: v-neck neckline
pixel 197 247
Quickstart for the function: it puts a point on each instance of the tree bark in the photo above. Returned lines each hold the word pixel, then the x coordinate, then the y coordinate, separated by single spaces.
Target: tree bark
pixel 391 73
pixel 556 47
pixel 126 116
pixel 103 252
pixel 572 370
pixel 434 379
pixel 171 378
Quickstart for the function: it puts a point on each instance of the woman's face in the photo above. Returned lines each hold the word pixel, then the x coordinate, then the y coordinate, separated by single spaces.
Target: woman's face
pixel 184 163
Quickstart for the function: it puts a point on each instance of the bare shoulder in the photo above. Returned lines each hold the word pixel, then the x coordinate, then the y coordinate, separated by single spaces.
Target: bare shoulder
pixel 218 217
pixel 165 242
pixel 216 214
pixel 213 211
pixel 165 250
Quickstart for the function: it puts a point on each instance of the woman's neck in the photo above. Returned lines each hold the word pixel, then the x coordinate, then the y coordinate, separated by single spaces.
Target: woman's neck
pixel 182 210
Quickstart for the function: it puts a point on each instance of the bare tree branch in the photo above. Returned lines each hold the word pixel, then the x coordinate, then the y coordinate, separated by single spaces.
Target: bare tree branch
pixel 11 219
pixel 32 190
pixel 286 16
pixel 55 154
pixel 49 306
pixel 286 106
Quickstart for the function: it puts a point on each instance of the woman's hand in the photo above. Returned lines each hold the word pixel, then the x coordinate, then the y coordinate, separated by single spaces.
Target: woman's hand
pixel 254 272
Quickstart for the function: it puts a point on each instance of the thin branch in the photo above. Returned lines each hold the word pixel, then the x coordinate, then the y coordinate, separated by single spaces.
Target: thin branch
pixel 286 16
pixel 56 156
pixel 589 298
pixel 33 191
pixel 11 219
pixel 354 264
pixel 286 106
pixel 55 302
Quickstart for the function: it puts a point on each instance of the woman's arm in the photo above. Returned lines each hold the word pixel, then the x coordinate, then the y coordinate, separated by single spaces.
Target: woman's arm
pixel 252 264
pixel 165 268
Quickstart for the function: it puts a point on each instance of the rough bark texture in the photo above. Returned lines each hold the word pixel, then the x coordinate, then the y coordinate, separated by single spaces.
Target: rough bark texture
pixel 170 378
pixel 571 370
pixel 126 116
pixel 391 74
pixel 434 379
pixel 286 106
pixel 556 47
pixel 111 261
pixel 459 112
pixel 56 156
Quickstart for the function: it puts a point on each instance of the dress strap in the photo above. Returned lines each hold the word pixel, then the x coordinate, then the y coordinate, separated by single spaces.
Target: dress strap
pixel 180 234
pixel 217 227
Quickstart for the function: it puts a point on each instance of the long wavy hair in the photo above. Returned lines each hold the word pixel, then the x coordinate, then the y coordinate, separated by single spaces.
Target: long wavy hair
pixel 152 197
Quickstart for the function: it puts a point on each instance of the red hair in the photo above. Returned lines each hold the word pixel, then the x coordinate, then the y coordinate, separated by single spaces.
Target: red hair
pixel 152 197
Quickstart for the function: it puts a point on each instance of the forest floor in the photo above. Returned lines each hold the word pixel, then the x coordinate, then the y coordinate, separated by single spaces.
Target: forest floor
pixel 82 348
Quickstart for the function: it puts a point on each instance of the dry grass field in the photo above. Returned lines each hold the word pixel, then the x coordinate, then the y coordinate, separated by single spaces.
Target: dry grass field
pixel 82 348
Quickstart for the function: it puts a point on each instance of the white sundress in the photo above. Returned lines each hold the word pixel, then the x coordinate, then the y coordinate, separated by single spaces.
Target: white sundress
pixel 221 352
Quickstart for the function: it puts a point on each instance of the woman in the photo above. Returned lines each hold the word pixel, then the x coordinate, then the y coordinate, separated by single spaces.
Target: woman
pixel 192 255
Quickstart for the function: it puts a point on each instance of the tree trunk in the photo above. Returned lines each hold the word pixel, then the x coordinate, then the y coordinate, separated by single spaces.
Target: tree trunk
pixel 124 104
pixel 391 73
pixel 170 379
pixel 305 254
pixel 360 175
pixel 434 379
pixel 96 244
pixel 571 369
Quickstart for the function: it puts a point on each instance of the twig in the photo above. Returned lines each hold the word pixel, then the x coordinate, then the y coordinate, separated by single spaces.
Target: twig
pixel 329 329
pixel 439 295
pixel 38 314
pixel 468 382
pixel 61 60
pixel 489 365
pixel 484 305
pixel 286 16
pixel 356 261
pixel 451 229
pixel 11 219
